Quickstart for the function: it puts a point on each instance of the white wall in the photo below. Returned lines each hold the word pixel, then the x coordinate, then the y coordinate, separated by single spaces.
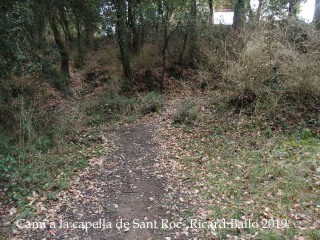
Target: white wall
pixel 306 13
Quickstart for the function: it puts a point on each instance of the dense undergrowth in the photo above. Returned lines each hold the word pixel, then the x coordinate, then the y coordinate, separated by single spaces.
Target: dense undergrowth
pixel 107 108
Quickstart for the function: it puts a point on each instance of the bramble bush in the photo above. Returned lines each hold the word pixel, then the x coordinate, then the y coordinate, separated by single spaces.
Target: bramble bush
pixel 277 68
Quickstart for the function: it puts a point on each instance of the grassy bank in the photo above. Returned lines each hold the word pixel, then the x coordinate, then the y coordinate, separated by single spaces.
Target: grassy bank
pixel 244 167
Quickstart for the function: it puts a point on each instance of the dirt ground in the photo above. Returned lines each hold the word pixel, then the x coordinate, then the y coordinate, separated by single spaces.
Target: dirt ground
pixel 123 193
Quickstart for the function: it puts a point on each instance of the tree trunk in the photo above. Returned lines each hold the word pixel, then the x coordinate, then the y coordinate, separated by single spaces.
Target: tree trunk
pixel 316 16
pixel 258 14
pixel 211 19
pixel 122 39
pixel 65 24
pixel 293 7
pixel 88 36
pixel 159 15
pixel 239 17
pixel 135 38
pixel 185 39
pixel 62 48
pixel 251 14
pixel 40 19
pixel 166 38
pixel 193 32
pixel 165 23
pixel 80 58
pixel 142 29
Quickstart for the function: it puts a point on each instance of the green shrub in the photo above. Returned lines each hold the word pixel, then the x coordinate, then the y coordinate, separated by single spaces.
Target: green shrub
pixel 5 147
pixel 113 107
pixel 120 104
pixel 56 79
pixel 79 59
pixel 187 113
pixel 151 102
pixel 7 166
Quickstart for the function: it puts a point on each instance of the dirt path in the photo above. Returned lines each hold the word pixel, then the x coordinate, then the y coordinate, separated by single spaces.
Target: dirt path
pixel 122 187
pixel 137 190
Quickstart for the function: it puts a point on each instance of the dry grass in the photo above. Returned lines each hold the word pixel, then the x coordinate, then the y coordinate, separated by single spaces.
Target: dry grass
pixel 279 65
